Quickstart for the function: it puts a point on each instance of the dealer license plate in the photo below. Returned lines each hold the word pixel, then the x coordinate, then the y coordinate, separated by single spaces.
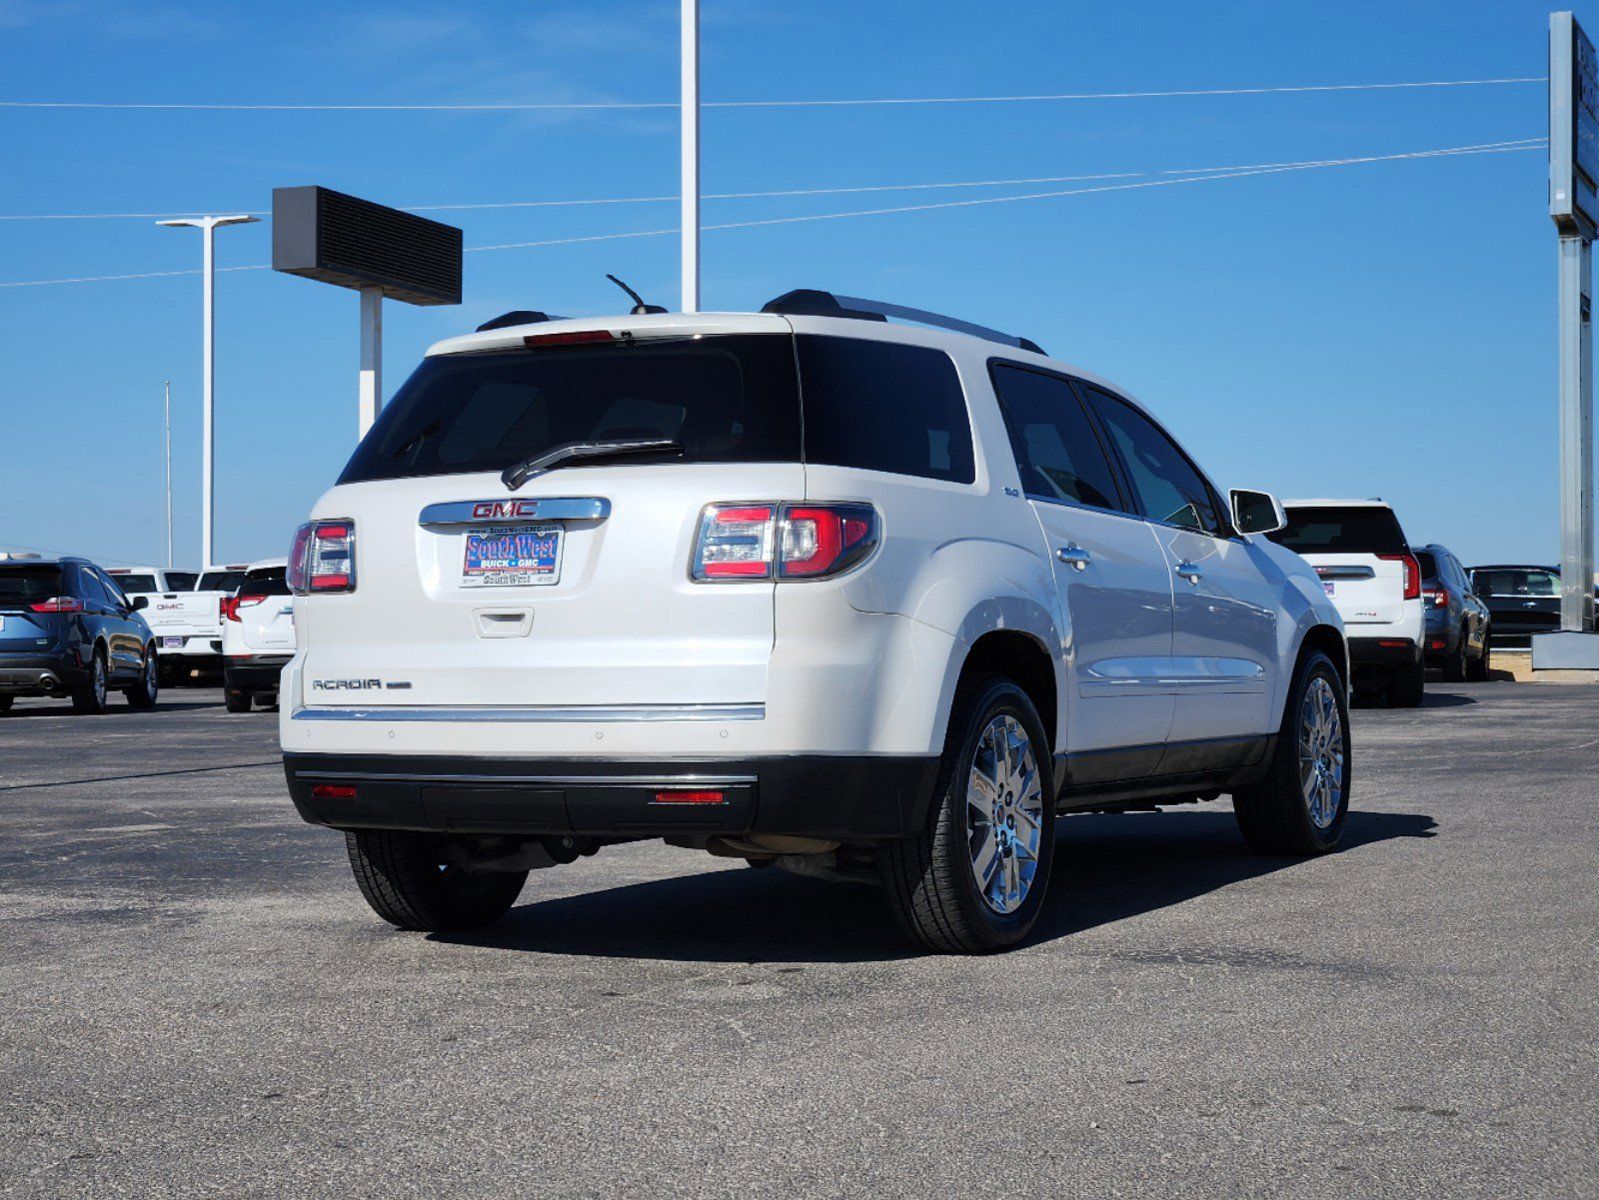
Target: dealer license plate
pixel 512 556
pixel 172 643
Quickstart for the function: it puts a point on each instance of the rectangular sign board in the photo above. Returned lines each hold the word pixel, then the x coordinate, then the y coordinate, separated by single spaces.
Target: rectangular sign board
pixel 321 234
pixel 1573 126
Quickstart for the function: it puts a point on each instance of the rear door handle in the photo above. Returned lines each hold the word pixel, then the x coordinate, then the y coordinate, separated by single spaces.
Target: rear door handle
pixel 1075 556
pixel 1190 572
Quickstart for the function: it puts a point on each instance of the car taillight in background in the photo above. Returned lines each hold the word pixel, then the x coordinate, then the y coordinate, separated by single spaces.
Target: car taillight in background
pixel 1412 573
pixel 232 604
pixel 745 541
pixel 322 558
pixel 1435 599
pixel 58 604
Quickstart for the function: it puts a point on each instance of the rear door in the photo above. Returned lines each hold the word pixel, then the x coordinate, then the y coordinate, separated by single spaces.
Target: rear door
pixel 264 609
pixel 1359 552
pixel 1115 591
pixel 575 589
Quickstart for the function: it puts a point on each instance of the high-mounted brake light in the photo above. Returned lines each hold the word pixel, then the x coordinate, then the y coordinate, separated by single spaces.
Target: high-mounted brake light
pixel 581 337
pixel 58 604
pixel 750 541
pixel 1412 573
pixel 322 558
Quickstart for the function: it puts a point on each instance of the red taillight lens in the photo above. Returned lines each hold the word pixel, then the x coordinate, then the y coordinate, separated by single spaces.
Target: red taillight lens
pixel 1412 573
pixel 690 798
pixel 332 791
pixel 1434 599
pixel 794 541
pixel 322 557
pixel 230 608
pixel 58 604
pixel 583 337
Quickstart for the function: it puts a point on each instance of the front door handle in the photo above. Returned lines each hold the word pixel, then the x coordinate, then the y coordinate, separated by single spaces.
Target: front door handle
pixel 1075 555
pixel 1190 572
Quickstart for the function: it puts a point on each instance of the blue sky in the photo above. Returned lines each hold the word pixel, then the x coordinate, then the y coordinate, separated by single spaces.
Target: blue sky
pixel 1385 329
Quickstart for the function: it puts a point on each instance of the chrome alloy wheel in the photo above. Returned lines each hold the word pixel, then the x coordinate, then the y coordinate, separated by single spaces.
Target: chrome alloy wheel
pixel 1004 814
pixel 1321 753
pixel 97 683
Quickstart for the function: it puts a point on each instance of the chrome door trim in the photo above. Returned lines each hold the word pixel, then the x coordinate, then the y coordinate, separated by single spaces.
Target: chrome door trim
pixel 503 511
pixel 538 713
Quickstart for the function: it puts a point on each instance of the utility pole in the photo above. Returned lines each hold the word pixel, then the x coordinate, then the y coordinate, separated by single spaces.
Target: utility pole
pixel 166 438
pixel 690 119
pixel 370 398
pixel 208 227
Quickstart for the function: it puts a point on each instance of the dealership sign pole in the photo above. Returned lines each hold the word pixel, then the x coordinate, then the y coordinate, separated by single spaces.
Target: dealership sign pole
pixel 1574 205
pixel 689 122
pixel 321 234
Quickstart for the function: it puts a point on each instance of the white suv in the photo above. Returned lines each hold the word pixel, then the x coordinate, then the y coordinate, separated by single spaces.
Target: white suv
pixel 864 600
pixel 1365 563
pixel 257 635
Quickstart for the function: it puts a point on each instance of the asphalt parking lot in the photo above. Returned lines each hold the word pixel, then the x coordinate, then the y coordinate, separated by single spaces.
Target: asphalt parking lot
pixel 197 1001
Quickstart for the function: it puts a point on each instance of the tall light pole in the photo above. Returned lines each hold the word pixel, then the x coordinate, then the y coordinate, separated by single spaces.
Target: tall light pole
pixel 166 438
pixel 208 226
pixel 690 119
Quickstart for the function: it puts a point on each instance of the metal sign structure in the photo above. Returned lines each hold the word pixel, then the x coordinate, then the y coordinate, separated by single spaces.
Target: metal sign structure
pixel 1574 207
pixel 321 234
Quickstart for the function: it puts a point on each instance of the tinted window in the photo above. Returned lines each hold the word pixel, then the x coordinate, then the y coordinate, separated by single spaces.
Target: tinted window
pixel 28 585
pixel 1168 486
pixel 90 587
pixel 726 399
pixel 882 406
pixel 137 583
pixel 1057 451
pixel 1357 529
pixel 1517 582
pixel 268 581
pixel 220 581
pixel 113 591
pixel 1429 567
pixel 180 581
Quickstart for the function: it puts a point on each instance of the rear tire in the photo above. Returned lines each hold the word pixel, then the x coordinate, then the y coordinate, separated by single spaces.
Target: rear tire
pixel 89 696
pixel 1285 812
pixel 236 701
pixel 143 694
pixel 405 881
pixel 1477 668
pixel 5 703
pixel 1406 687
pixel 992 813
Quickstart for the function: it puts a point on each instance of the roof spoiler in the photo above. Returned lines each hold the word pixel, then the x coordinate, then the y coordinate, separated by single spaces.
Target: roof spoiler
pixel 810 302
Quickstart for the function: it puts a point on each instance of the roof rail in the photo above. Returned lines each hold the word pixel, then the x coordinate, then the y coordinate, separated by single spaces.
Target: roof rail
pixel 809 302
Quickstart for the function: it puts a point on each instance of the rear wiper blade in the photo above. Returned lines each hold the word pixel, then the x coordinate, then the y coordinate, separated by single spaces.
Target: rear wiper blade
pixel 515 476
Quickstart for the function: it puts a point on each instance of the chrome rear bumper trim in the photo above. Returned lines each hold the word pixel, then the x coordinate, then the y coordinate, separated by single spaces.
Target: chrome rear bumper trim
pixel 582 714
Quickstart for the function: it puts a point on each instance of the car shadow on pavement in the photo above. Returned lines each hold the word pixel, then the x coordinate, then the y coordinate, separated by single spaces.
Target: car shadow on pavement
pixel 1108 867
pixel 115 706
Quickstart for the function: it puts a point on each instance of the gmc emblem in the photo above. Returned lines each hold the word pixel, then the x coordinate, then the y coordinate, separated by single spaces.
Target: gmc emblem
pixel 489 510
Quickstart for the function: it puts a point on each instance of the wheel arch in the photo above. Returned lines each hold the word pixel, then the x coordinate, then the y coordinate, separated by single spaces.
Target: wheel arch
pixel 1329 641
pixel 1022 658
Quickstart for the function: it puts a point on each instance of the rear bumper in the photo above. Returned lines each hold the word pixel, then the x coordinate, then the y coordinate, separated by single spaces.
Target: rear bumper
pixel 256 672
pixel 194 645
pixel 1383 652
pixel 38 674
pixel 857 797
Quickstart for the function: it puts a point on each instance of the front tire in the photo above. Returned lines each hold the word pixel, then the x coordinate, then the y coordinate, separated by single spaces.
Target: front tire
pixel 143 694
pixel 407 883
pixel 973 881
pixel 1299 807
pixel 89 696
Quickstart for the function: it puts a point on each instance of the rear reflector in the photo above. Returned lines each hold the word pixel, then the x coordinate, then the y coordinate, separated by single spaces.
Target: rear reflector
pixel 1437 644
pixel 690 798
pixel 333 791
pixel 1393 643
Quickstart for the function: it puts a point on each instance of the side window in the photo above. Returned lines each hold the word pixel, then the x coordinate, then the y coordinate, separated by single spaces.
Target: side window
pixel 1168 487
pixel 1057 451
pixel 91 588
pixel 883 406
pixel 113 591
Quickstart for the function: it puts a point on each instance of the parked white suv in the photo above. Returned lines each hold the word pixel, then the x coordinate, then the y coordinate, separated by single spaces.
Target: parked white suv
pixel 865 600
pixel 257 636
pixel 1365 563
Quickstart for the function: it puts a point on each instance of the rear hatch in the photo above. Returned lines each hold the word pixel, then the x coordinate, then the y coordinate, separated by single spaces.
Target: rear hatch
pixel 184 614
pixel 29 595
pixel 264 610
pixel 1360 553
pixel 574 588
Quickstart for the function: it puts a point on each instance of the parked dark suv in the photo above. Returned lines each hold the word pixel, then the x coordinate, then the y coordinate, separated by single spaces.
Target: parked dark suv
pixel 67 629
pixel 1523 599
pixel 1457 623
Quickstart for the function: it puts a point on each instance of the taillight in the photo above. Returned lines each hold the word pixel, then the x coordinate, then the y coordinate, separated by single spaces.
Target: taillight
pixel 230 608
pixel 322 558
pixel 1435 599
pixel 58 604
pixel 793 541
pixel 1412 573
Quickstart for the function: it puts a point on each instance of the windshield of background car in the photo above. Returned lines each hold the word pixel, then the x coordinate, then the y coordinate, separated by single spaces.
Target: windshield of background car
pixel 1516 583
pixel 137 583
pixel 268 581
pixel 20 586
pixel 1356 529
pixel 220 581
pixel 724 398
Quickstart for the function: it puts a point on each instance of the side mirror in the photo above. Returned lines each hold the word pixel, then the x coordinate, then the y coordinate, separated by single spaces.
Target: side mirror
pixel 139 602
pixel 1256 512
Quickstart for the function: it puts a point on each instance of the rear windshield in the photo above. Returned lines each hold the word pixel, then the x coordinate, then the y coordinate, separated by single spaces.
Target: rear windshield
pixel 180 581
pixel 219 581
pixel 268 581
pixel 1428 564
pixel 725 399
pixel 1516 582
pixel 25 585
pixel 135 583
pixel 1357 529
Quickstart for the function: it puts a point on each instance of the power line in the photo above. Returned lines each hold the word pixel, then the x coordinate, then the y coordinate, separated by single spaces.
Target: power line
pixel 787 192
pixel 618 105
pixel 1214 174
